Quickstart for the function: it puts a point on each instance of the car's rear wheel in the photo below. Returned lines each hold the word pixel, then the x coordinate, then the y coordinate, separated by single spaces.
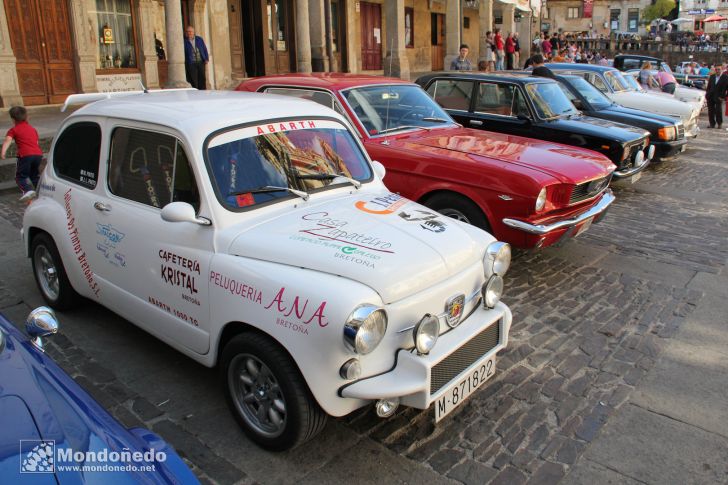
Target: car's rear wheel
pixel 50 275
pixel 459 208
pixel 267 393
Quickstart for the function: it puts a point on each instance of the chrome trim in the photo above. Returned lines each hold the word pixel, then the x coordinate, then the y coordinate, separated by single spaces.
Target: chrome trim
pixel 632 171
pixel 540 229
pixel 593 196
pixel 505 197
pixel 41 322
pixel 355 321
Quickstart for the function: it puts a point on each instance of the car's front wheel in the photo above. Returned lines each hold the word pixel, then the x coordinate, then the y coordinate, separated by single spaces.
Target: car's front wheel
pixel 267 393
pixel 50 275
pixel 459 208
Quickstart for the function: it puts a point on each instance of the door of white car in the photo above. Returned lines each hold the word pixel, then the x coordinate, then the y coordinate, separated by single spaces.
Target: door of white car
pixel 159 267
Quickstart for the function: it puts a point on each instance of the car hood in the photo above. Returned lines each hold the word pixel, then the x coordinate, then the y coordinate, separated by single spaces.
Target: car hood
pixel 395 246
pixel 565 163
pixel 596 127
pixel 654 103
pixel 637 117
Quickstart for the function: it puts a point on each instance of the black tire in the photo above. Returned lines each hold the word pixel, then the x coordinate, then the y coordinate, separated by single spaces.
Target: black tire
pixel 50 275
pixel 460 208
pixel 302 417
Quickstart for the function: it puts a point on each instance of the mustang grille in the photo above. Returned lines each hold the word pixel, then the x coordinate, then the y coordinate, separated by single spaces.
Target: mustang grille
pixel 590 189
pixel 680 131
pixel 454 364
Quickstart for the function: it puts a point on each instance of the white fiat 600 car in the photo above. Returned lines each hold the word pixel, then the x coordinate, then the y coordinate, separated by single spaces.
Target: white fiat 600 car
pixel 251 232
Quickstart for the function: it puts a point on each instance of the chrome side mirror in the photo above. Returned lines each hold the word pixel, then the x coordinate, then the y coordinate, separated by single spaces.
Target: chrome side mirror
pixel 379 169
pixel 2 341
pixel 41 322
pixel 182 212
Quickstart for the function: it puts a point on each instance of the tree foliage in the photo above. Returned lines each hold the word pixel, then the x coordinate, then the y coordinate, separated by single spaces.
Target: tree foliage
pixel 658 10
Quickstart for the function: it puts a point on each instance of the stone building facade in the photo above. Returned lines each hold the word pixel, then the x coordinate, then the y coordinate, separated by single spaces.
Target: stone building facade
pixel 600 17
pixel 52 48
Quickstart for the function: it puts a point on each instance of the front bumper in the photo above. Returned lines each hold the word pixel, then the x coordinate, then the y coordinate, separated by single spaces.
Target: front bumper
pixel 669 149
pixel 541 229
pixel 410 378
pixel 648 154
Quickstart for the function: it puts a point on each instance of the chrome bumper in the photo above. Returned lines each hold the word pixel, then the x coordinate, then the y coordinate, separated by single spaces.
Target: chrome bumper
pixel 540 229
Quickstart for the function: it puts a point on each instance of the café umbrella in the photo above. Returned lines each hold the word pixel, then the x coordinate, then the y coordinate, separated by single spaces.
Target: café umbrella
pixel 715 18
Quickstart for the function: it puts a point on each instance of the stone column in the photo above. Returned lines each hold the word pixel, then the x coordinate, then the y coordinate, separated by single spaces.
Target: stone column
pixel 9 86
pixel 176 77
pixel 220 68
pixel 396 63
pixel 85 41
pixel 303 37
pixel 485 14
pixel 352 41
pixel 508 23
pixel 453 22
pixel 148 51
pixel 320 61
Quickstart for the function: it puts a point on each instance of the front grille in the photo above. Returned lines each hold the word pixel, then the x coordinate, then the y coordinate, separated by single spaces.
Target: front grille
pixel 680 131
pixel 590 189
pixel 454 364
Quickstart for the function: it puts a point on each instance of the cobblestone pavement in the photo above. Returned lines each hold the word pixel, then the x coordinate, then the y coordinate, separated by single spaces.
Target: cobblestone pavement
pixel 590 319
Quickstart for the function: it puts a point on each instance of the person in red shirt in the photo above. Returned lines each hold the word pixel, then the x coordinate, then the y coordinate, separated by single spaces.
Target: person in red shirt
pixel 510 51
pixel 27 171
pixel 499 53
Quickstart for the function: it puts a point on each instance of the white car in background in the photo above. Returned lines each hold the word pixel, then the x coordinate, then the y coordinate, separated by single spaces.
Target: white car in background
pixel 695 97
pixel 613 84
pixel 253 233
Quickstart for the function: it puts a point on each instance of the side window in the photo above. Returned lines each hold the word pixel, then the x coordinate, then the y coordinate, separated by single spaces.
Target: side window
pixel 150 168
pixel 495 99
pixel 451 94
pixel 76 154
pixel 519 104
pixel 598 82
pixel 320 97
pixel 567 92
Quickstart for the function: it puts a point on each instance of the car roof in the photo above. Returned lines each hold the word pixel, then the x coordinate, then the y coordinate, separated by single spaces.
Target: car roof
pixel 572 66
pixel 326 80
pixel 203 111
pixel 515 76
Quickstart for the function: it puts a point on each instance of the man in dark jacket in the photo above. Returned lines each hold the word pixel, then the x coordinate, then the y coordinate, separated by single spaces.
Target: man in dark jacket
pixel 715 113
pixel 720 93
pixel 539 69
pixel 196 58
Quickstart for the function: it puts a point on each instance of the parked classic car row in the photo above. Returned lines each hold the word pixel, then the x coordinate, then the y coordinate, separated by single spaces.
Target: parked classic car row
pixel 254 232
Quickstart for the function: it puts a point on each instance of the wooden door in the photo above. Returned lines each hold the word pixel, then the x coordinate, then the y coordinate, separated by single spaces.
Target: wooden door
pixel 235 24
pixel 278 28
pixel 371 36
pixel 41 40
pixel 438 41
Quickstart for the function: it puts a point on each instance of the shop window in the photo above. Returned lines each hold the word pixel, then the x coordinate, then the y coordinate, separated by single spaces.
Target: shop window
pixel 498 17
pixel 614 19
pixel 409 23
pixel 466 22
pixel 116 37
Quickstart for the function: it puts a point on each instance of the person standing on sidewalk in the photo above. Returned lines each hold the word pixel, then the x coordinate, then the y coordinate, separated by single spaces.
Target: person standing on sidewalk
pixel 721 91
pixel 462 63
pixel 499 52
pixel 711 97
pixel 510 51
pixel 196 58
pixel 30 156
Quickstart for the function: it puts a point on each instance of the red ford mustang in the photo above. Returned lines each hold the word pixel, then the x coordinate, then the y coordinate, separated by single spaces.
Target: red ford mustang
pixel 527 192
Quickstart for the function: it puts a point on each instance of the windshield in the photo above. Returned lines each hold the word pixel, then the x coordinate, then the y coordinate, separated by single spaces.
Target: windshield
pixel 259 164
pixel 593 96
pixel 616 81
pixel 550 100
pixel 632 83
pixel 385 109
pixel 664 66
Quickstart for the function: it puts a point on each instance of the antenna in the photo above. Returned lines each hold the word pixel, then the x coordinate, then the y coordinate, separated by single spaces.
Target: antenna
pixel 144 89
pixel 386 116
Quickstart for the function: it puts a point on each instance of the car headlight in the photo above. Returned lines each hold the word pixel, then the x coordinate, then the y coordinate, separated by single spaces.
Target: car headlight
pixel 541 200
pixel 625 153
pixel 365 328
pixel 666 133
pixel 426 333
pixel 492 291
pixel 497 258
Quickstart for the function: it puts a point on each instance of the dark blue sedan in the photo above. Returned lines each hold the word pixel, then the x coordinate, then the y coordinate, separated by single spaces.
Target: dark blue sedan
pixel 52 431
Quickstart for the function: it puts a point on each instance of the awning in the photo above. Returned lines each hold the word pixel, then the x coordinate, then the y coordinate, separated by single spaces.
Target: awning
pixel 524 8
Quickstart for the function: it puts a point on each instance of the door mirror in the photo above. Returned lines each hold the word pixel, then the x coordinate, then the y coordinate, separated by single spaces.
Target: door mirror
pixel 379 169
pixel 41 322
pixel 182 212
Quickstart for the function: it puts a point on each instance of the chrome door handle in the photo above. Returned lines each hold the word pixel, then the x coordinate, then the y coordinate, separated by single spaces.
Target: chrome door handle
pixel 476 122
pixel 100 206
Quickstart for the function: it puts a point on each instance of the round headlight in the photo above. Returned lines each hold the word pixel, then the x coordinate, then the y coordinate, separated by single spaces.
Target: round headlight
pixel 497 258
pixel 541 200
pixel 639 159
pixel 426 333
pixel 492 291
pixel 365 328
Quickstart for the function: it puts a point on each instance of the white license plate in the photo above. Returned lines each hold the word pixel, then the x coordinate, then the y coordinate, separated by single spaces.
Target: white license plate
pixel 459 392
pixel 584 226
pixel 683 148
pixel 634 178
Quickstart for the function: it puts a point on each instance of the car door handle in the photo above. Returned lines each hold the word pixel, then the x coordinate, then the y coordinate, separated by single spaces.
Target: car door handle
pixel 100 206
pixel 476 122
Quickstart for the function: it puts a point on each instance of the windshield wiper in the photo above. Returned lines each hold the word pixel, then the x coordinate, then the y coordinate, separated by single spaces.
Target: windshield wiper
pixel 328 176
pixel 271 188
pixel 435 120
pixel 402 127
